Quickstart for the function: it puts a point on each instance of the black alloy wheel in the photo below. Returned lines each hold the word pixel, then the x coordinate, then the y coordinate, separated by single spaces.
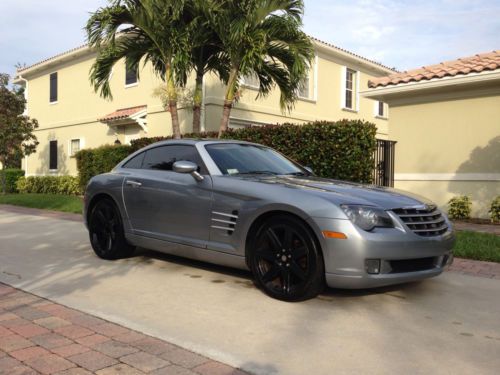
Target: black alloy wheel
pixel 286 260
pixel 106 231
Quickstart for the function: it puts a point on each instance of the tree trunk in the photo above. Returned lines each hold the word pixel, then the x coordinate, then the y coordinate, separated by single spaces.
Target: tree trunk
pixel 197 103
pixel 229 99
pixel 3 177
pixel 226 112
pixel 172 104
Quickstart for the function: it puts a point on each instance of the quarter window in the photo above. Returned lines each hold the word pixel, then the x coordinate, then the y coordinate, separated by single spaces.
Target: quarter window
pixel 163 158
pixel 53 88
pixel 135 162
pixel 53 155
pixel 350 92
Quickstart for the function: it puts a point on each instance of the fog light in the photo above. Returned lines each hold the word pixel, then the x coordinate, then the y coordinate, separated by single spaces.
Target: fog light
pixel 372 266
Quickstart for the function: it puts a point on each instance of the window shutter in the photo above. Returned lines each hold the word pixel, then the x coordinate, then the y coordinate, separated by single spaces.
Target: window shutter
pixel 343 76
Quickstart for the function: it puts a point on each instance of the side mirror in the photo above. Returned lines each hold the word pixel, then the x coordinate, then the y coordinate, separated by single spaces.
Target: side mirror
pixel 309 169
pixel 183 166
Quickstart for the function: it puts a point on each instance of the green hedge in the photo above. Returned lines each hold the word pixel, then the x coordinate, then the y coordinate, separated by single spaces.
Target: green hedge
pixel 91 162
pixel 139 143
pixel 66 185
pixel 11 176
pixel 341 150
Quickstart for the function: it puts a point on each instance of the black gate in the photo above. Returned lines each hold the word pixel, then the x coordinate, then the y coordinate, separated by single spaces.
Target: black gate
pixel 383 172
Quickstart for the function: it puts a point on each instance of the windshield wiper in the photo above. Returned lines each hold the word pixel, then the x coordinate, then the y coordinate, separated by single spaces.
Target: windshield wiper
pixel 296 174
pixel 258 172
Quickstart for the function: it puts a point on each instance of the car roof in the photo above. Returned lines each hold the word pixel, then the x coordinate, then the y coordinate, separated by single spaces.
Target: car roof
pixel 193 141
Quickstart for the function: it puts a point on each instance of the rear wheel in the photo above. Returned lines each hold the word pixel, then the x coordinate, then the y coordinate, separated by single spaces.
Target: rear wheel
pixel 106 231
pixel 286 260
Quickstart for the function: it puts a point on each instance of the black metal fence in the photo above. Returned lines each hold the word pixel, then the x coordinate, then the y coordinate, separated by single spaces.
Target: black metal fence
pixel 383 171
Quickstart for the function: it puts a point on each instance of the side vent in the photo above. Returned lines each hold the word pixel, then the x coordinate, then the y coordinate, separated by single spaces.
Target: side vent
pixel 225 222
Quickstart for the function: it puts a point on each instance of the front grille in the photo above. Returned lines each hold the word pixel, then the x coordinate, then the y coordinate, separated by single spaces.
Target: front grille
pixel 426 222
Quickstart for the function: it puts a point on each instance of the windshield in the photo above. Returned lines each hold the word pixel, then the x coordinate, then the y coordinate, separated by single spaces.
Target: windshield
pixel 237 158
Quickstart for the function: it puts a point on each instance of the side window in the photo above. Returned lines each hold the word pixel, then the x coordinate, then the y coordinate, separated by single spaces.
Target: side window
pixel 163 157
pixel 135 162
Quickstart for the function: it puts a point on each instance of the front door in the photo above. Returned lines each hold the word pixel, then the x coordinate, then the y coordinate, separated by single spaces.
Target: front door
pixel 167 205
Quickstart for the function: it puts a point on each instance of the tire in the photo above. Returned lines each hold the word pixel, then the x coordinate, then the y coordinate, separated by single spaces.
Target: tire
pixel 106 232
pixel 286 260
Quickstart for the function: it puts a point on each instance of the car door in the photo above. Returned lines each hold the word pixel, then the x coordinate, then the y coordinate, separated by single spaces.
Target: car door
pixel 166 205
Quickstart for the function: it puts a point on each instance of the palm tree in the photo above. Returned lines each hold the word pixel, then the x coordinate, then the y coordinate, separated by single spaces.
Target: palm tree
pixel 262 38
pixel 151 31
pixel 207 53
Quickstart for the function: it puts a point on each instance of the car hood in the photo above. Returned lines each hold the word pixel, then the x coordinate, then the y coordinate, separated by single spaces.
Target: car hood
pixel 342 192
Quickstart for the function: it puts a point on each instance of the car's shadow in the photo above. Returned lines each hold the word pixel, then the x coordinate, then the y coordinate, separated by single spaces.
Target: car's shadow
pixel 327 294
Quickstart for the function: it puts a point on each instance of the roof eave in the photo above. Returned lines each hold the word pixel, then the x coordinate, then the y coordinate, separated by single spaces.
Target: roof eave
pixel 382 92
pixel 346 55
pixel 51 62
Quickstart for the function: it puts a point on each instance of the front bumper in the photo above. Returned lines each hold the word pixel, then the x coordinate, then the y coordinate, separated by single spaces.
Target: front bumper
pixel 404 256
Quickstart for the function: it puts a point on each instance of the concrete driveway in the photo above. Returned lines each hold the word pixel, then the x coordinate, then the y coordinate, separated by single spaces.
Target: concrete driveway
pixel 446 325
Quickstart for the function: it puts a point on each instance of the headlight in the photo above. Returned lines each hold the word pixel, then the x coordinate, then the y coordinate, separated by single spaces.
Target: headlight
pixel 367 217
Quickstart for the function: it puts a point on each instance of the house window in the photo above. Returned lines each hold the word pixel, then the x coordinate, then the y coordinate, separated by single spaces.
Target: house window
pixel 53 87
pixel 350 89
pixel 53 155
pixel 304 88
pixel 74 146
pixel 380 109
pixel 251 80
pixel 130 76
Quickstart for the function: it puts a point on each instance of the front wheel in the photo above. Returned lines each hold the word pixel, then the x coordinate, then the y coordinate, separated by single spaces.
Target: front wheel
pixel 286 260
pixel 106 231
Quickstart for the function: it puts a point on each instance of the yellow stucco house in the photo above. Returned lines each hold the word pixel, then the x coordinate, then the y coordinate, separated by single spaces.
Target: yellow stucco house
pixel 72 116
pixel 446 121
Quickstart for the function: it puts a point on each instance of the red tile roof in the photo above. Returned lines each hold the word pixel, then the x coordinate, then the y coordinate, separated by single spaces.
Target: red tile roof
pixel 122 114
pixel 473 64
pixel 55 57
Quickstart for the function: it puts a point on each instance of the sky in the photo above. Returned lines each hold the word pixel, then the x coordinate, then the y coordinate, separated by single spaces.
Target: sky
pixel 402 34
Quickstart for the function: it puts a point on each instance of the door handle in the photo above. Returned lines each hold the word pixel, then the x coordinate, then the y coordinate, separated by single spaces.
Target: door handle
pixel 133 183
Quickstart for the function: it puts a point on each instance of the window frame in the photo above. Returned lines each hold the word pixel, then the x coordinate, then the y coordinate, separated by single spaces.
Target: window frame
pixel 351 90
pixel 53 100
pixel 81 145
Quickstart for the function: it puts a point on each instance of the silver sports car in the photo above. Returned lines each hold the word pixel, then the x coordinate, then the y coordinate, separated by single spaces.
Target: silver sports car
pixel 244 205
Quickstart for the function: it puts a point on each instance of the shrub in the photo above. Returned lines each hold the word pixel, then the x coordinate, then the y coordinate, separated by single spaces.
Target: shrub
pixel 11 176
pixel 66 185
pixel 91 162
pixel 341 150
pixel 459 207
pixel 495 210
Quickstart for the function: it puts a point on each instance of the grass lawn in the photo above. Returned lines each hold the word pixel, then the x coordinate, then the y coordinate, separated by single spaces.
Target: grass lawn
pixel 478 246
pixel 65 203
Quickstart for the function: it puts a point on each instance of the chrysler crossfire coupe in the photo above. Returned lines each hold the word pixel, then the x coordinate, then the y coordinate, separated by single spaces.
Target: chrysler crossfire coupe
pixel 247 206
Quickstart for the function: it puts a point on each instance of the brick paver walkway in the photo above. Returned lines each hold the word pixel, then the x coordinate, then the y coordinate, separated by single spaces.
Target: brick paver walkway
pixel 478 268
pixel 38 336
